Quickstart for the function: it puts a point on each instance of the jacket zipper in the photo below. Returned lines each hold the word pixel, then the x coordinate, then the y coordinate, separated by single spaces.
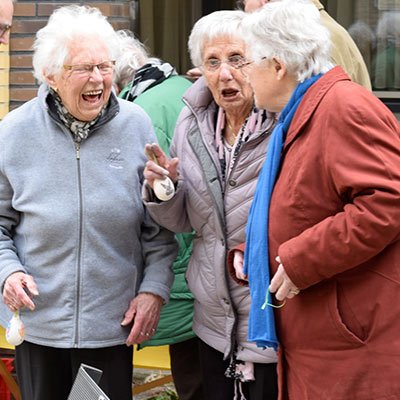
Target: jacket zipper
pixel 221 218
pixel 244 145
pixel 78 275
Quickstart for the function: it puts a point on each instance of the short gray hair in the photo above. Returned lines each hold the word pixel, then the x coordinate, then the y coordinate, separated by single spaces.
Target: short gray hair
pixel 216 24
pixel 132 56
pixel 65 25
pixel 290 31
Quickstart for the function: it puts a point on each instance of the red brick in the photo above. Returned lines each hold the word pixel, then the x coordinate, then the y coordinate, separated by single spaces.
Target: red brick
pixel 22 94
pixel 120 10
pixel 21 43
pixel 24 9
pixel 46 9
pixel 105 8
pixel 21 61
pixel 112 10
pixel 21 78
pixel 28 25
pixel 120 25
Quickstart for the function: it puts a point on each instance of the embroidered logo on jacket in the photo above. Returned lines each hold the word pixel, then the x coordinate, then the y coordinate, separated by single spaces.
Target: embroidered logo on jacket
pixel 115 159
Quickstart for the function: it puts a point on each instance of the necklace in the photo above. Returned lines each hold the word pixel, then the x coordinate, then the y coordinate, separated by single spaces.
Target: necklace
pixel 231 133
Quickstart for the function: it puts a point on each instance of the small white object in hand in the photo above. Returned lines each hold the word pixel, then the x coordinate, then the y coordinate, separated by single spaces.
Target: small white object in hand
pixel 15 332
pixel 164 188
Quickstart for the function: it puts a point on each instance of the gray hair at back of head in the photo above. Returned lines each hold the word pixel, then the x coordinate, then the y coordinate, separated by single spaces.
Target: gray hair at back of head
pixel 216 24
pixel 290 31
pixel 132 56
pixel 66 24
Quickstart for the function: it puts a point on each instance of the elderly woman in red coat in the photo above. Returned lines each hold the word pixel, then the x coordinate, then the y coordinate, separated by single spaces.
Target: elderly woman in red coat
pixel 329 195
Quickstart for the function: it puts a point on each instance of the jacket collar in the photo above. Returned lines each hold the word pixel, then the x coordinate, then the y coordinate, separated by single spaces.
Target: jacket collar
pixel 112 108
pixel 312 99
pixel 198 97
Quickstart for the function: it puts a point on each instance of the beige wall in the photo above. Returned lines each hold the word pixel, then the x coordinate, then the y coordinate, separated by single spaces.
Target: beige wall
pixel 4 80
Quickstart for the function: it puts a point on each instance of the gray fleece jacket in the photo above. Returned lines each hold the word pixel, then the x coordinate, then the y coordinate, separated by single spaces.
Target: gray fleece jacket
pixel 76 223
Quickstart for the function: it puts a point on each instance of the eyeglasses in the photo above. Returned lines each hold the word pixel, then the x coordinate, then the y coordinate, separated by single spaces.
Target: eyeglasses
pixel 4 28
pixel 105 68
pixel 213 64
pixel 247 63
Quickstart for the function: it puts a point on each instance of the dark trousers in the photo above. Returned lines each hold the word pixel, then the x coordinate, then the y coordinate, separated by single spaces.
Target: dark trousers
pixel 218 387
pixel 185 368
pixel 47 373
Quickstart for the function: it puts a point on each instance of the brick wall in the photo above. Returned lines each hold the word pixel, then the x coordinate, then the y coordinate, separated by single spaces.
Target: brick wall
pixel 29 16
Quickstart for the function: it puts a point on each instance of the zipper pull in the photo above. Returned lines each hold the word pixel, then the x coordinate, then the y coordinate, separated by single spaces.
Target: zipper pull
pixel 78 150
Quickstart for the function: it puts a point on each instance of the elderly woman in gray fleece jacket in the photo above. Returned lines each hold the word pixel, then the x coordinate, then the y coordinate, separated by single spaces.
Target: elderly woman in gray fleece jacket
pixel 80 258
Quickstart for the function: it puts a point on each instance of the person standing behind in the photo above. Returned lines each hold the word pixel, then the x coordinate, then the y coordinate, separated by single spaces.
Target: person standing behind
pixel 141 79
pixel 155 86
pixel 6 13
pixel 344 51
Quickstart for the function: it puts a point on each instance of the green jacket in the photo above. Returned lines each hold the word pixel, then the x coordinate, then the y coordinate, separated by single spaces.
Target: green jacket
pixel 163 103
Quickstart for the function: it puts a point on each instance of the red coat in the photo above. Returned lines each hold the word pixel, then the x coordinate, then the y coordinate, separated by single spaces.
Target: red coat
pixel 335 223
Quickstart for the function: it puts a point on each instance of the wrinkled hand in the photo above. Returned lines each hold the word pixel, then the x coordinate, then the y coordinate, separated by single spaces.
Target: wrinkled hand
pixel 238 264
pixel 144 312
pixel 194 73
pixel 19 289
pixel 159 165
pixel 282 285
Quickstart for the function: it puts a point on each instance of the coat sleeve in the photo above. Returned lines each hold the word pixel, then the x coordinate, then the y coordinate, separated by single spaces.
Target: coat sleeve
pixel 9 219
pixel 159 250
pixel 364 171
pixel 170 214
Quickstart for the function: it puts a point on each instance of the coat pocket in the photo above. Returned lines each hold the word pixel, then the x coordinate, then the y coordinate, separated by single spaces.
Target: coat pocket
pixel 344 318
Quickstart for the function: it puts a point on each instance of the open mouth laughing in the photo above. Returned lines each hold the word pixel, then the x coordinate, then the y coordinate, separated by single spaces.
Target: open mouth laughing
pixel 93 96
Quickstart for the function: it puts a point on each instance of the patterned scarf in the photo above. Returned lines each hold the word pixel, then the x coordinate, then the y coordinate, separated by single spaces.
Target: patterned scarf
pixel 147 76
pixel 79 129
pixel 261 319
pixel 252 124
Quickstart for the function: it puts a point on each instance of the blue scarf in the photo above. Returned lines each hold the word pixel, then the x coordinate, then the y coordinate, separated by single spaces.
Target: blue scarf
pixel 256 259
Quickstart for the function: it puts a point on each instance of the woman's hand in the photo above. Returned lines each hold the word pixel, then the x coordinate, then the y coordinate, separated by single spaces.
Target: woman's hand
pixel 194 73
pixel 159 165
pixel 238 264
pixel 19 288
pixel 144 312
pixel 282 285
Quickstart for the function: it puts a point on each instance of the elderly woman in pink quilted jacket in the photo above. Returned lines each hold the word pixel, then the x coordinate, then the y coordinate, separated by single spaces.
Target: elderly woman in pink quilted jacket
pixel 219 147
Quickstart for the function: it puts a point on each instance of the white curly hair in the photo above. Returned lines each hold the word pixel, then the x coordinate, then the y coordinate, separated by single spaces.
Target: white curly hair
pixel 216 24
pixel 290 31
pixel 66 24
